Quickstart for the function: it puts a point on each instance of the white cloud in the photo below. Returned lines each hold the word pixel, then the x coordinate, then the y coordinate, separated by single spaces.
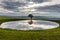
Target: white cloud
pixel 28 7
pixel 2 10
pixel 52 2
pixel 32 5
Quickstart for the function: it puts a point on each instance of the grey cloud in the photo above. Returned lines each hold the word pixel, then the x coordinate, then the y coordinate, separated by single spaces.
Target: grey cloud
pixel 39 1
pixel 53 8
pixel 12 5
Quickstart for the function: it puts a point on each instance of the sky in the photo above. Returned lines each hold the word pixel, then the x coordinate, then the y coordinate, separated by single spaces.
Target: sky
pixel 35 7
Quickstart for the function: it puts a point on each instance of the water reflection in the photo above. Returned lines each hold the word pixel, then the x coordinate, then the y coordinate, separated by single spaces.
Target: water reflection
pixel 23 25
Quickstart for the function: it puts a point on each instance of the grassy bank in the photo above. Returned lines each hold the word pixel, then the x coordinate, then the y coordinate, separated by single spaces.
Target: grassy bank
pixel 2 19
pixel 8 34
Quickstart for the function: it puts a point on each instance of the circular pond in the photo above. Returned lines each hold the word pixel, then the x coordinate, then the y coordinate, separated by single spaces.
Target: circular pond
pixel 24 25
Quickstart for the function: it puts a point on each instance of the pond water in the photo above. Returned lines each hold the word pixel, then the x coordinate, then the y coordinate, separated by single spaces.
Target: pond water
pixel 24 25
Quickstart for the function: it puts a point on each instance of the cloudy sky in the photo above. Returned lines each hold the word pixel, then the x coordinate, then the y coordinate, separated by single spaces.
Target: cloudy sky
pixel 35 7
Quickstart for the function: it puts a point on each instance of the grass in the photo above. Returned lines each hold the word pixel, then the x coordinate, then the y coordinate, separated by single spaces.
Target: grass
pixel 9 34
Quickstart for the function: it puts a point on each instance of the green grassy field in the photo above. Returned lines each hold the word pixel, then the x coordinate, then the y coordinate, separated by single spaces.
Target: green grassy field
pixel 9 34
